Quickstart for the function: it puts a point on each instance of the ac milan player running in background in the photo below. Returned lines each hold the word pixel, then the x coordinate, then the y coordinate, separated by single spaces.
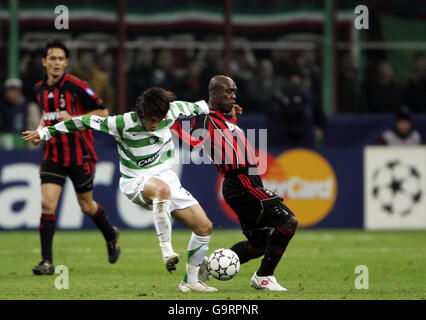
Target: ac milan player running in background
pixel 266 222
pixel 62 96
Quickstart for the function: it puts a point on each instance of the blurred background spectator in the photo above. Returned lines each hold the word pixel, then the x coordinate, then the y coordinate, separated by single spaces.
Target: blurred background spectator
pixel 383 90
pixel 17 114
pixel 402 132
pixel 350 86
pixel 416 87
pixel 87 69
pixel 276 58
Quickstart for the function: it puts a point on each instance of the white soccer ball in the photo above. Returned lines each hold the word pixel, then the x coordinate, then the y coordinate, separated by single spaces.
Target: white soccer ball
pixel 223 264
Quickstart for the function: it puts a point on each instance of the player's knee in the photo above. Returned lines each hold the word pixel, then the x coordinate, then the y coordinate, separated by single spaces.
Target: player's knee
pixel 292 223
pixel 204 229
pixel 47 206
pixel 88 207
pixel 163 191
pixel 156 189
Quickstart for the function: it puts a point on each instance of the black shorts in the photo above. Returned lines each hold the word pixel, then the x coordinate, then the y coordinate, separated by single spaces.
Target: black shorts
pixel 81 176
pixel 256 207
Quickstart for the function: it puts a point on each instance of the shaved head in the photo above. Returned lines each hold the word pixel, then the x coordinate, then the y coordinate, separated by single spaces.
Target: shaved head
pixel 218 81
pixel 222 93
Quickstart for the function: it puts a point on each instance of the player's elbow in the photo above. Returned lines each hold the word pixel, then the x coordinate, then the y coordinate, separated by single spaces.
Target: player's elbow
pixel 104 112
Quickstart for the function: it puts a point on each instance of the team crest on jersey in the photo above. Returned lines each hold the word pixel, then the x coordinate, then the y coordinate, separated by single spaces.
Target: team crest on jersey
pixel 62 103
pixel 90 92
pixel 98 120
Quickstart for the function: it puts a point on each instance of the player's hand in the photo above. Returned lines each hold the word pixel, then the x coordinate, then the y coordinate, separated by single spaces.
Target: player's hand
pixel 236 111
pixel 64 115
pixel 32 136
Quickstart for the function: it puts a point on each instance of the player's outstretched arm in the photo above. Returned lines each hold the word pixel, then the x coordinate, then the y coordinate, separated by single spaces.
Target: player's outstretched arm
pixel 31 136
pixel 103 124
pixel 183 109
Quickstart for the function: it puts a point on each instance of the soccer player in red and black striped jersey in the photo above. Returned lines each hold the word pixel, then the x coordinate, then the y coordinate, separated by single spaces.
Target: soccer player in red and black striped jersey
pixel 266 222
pixel 60 97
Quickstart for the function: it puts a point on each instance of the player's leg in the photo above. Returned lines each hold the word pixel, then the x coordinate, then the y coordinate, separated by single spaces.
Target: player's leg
pixel 98 215
pixel 52 179
pixel 82 178
pixel 195 218
pixel 254 247
pixel 279 239
pixel 50 194
pixel 156 192
pixel 284 225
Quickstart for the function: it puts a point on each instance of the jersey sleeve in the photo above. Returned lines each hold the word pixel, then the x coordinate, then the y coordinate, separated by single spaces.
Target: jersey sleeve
pixel 183 109
pixel 195 137
pixel 88 97
pixel 111 125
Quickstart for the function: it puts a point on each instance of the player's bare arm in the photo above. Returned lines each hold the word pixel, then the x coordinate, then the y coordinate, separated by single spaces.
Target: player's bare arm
pixel 32 136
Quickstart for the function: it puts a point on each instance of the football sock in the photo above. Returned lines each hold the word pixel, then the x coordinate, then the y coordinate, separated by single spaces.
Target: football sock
pixel 47 230
pixel 162 223
pixel 198 247
pixel 246 252
pixel 278 242
pixel 102 222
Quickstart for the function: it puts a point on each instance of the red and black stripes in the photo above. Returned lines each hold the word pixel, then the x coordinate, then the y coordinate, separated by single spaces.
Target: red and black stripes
pixel 225 143
pixel 256 192
pixel 72 95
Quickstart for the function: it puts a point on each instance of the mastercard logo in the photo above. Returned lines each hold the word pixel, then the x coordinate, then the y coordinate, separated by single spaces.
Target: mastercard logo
pixel 304 179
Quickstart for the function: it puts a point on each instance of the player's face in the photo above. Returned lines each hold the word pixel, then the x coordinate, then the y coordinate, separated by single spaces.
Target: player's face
pixel 55 62
pixel 150 123
pixel 225 96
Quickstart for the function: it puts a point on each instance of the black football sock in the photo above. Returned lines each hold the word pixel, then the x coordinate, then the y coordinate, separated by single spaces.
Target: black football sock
pixel 102 222
pixel 47 230
pixel 278 242
pixel 246 252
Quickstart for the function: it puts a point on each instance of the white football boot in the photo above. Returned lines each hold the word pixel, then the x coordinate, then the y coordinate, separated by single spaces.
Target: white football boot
pixel 266 283
pixel 195 287
pixel 203 273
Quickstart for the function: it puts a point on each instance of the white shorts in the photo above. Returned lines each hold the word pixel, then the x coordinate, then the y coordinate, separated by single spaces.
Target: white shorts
pixel 180 197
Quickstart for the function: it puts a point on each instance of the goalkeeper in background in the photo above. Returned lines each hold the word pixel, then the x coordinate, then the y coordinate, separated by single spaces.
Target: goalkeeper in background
pixel 146 152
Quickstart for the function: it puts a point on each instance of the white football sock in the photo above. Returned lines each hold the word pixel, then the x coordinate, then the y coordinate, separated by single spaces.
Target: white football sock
pixel 198 247
pixel 162 222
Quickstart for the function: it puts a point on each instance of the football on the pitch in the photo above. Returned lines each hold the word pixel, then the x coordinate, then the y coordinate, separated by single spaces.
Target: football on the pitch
pixel 223 264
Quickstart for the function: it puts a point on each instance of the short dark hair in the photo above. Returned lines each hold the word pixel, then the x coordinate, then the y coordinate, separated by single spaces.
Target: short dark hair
pixel 55 43
pixel 154 102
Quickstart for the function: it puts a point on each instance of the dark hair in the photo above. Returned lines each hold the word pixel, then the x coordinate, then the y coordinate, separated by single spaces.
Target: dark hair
pixel 154 102
pixel 55 43
pixel 404 113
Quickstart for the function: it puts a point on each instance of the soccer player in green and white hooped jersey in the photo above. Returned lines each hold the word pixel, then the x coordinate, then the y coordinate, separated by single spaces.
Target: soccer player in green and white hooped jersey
pixel 146 152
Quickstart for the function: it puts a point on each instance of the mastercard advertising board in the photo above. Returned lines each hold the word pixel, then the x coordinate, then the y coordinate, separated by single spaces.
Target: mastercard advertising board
pixel 304 179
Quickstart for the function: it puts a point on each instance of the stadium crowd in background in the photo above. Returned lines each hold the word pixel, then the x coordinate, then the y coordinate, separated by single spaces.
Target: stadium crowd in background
pixel 283 84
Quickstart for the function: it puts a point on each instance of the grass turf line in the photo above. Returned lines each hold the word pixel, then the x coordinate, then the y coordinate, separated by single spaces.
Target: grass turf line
pixel 318 264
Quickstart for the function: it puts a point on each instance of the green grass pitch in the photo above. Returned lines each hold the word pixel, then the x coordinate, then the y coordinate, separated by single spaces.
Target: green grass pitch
pixel 318 264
